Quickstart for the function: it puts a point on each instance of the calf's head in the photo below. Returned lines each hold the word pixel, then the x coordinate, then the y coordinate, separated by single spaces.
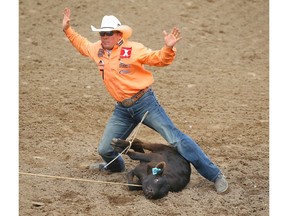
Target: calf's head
pixel 155 184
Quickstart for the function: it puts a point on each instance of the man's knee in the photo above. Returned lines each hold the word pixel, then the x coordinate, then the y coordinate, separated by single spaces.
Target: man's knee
pixel 102 151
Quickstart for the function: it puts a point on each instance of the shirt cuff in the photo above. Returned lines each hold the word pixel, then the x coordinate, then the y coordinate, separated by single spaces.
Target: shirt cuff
pixel 68 31
pixel 168 49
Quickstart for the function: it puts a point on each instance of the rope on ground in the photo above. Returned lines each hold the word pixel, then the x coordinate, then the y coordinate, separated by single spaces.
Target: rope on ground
pixel 131 138
pixel 77 179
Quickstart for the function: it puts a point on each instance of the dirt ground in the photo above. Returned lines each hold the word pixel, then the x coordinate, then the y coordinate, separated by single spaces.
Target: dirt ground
pixel 216 91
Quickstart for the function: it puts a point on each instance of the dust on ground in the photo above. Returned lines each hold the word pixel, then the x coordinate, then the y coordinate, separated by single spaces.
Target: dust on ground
pixel 216 91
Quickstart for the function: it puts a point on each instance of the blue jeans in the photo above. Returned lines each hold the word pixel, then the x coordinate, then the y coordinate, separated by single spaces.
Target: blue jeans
pixel 124 120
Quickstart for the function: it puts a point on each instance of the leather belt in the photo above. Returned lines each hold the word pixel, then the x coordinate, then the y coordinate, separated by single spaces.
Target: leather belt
pixel 128 102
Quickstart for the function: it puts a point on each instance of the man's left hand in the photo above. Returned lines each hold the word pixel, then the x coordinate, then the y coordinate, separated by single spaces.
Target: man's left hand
pixel 172 38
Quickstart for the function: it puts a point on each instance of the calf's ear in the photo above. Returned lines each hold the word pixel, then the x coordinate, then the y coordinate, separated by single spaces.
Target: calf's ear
pixel 156 170
pixel 161 165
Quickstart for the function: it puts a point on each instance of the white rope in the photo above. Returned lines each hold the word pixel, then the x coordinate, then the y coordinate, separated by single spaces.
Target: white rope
pixel 133 134
pixel 76 179
pixel 130 139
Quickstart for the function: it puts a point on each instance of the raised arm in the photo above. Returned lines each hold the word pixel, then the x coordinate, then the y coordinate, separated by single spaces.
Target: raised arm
pixel 66 19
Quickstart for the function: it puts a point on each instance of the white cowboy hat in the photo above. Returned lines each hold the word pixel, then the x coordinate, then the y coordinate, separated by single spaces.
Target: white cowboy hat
pixel 111 23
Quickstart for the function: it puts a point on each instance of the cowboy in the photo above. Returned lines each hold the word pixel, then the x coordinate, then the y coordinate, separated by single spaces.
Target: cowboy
pixel 121 66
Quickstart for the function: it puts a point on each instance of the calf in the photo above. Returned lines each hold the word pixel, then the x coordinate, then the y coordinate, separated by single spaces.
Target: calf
pixel 160 171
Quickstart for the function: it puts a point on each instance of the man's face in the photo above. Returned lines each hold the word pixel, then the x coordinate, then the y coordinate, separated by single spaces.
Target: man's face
pixel 110 38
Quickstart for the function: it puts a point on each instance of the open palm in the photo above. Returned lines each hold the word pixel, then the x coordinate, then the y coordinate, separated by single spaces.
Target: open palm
pixel 172 38
pixel 66 18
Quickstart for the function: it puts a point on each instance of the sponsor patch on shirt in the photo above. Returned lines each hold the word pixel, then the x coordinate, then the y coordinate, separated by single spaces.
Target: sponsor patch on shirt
pixel 101 68
pixel 123 65
pixel 124 71
pixel 125 52
pixel 101 63
pixel 100 52
pixel 120 42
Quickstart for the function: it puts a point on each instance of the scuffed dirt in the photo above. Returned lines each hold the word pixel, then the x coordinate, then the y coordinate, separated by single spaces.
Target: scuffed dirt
pixel 216 91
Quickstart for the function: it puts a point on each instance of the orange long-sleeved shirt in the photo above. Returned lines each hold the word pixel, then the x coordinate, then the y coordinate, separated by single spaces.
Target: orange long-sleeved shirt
pixel 122 69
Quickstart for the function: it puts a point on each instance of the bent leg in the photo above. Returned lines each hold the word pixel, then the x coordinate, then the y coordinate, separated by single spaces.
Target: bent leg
pixel 119 125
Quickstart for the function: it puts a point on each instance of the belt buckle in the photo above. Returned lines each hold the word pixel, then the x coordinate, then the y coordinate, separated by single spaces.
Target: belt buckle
pixel 127 102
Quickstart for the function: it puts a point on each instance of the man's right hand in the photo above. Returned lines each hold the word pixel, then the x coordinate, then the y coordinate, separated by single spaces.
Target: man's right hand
pixel 66 19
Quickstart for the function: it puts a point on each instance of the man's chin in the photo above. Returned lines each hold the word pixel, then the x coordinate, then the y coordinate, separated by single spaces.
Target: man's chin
pixel 107 46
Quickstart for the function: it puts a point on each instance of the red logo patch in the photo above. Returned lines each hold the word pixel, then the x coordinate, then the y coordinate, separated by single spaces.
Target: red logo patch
pixel 125 52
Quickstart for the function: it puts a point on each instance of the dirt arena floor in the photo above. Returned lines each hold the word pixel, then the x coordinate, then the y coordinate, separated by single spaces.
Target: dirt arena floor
pixel 216 91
